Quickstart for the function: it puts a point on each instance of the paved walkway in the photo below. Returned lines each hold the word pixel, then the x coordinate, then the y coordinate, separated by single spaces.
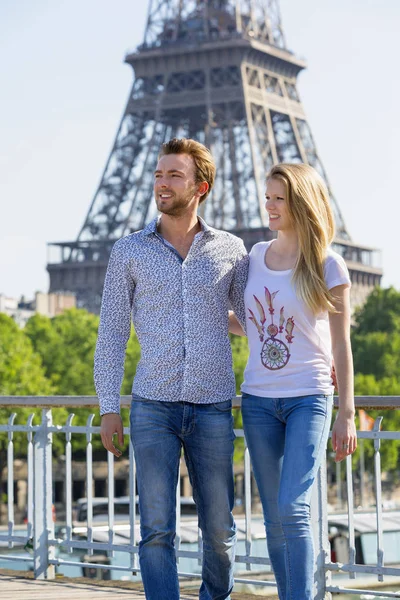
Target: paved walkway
pixel 20 585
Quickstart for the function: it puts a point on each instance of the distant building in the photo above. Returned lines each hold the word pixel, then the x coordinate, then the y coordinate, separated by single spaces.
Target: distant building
pixel 49 305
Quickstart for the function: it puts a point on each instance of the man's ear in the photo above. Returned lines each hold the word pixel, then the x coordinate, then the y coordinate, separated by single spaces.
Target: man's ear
pixel 203 188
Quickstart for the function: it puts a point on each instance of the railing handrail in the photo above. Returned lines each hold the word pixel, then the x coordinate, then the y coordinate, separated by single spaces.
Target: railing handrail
pixel 366 402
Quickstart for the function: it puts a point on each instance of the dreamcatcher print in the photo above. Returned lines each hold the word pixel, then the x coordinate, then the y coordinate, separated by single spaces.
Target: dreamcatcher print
pixel 275 352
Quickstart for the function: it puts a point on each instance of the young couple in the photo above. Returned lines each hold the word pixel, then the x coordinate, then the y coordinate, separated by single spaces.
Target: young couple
pixel 176 279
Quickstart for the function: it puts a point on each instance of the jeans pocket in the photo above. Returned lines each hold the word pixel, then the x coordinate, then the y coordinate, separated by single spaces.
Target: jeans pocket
pixel 225 406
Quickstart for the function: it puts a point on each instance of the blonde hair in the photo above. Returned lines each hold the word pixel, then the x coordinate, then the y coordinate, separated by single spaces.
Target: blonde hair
pixel 204 165
pixel 309 208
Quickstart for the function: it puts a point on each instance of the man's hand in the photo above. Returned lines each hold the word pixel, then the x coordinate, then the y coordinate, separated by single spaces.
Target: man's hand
pixel 111 424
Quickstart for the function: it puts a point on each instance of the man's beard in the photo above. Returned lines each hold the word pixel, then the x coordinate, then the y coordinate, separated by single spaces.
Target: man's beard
pixel 177 205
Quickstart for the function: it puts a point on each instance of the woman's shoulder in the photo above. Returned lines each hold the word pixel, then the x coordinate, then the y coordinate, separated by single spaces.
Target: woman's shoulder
pixel 335 269
pixel 259 249
pixel 332 258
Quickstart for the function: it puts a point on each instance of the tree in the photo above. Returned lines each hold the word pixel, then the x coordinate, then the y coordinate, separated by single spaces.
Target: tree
pixel 381 312
pixel 377 353
pixel 21 370
pixel 240 353
pixel 376 335
pixel 66 344
pixel 368 385
pixel 21 374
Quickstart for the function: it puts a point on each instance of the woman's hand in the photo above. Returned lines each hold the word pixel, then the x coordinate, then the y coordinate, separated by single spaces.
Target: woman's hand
pixel 344 436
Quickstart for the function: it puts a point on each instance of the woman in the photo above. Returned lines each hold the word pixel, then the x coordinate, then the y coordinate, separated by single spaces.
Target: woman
pixel 298 317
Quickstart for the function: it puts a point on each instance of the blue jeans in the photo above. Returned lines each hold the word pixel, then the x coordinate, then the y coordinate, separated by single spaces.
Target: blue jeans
pixel 287 438
pixel 159 431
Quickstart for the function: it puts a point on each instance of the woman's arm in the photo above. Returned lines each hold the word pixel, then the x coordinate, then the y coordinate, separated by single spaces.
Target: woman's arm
pixel 344 437
pixel 234 325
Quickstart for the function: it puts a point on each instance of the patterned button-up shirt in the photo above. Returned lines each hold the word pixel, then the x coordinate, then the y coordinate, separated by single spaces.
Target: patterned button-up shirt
pixel 179 310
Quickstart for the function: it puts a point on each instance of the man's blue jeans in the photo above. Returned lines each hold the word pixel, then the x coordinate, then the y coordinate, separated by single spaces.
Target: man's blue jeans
pixel 159 431
pixel 287 438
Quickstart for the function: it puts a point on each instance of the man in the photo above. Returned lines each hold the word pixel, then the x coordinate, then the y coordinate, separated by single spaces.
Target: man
pixel 177 277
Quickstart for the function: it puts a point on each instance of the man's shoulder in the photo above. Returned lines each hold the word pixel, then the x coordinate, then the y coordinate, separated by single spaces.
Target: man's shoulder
pixel 225 237
pixel 137 238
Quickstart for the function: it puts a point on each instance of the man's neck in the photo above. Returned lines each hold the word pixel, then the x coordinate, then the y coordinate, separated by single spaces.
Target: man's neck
pixel 179 228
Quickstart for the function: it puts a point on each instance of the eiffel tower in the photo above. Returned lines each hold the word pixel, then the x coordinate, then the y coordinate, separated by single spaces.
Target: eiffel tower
pixel 218 71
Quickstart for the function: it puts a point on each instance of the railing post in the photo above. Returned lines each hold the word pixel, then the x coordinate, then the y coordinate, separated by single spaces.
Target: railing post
pixel 319 523
pixel 43 525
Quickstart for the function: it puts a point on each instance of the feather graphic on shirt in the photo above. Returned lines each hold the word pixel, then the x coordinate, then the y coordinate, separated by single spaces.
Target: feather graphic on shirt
pixel 253 319
pixel 289 329
pixel 281 319
pixel 269 299
pixel 261 311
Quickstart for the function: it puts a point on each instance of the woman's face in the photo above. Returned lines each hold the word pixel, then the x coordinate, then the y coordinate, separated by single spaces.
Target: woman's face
pixel 276 206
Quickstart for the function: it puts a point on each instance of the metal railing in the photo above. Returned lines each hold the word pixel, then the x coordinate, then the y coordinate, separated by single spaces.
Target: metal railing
pixel 40 529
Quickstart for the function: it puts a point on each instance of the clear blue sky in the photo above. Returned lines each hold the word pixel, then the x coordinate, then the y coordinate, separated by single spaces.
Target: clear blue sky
pixel 64 87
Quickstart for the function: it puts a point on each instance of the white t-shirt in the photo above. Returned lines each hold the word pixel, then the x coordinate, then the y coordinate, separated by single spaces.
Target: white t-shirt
pixel 290 347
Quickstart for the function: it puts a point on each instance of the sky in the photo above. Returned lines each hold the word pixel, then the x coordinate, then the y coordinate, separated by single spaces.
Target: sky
pixel 64 86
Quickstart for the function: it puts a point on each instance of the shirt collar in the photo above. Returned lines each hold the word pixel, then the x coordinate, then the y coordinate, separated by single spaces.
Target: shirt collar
pixel 152 226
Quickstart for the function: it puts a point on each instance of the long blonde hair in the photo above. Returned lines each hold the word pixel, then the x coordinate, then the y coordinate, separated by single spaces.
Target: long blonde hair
pixel 309 207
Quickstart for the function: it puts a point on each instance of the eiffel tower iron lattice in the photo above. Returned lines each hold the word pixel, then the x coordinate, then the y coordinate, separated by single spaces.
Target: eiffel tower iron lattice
pixel 218 71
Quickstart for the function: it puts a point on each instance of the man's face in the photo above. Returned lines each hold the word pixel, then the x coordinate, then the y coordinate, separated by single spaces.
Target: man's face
pixel 174 184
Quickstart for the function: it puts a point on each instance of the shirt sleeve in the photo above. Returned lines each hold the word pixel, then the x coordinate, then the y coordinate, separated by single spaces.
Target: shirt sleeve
pixel 114 331
pixel 238 285
pixel 336 271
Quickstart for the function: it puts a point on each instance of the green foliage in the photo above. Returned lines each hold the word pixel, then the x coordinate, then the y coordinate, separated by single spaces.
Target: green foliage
pixel 376 352
pixel 376 336
pixel 21 374
pixel 66 344
pixel 21 370
pixel 131 360
pixel 381 312
pixel 240 353
pixel 369 385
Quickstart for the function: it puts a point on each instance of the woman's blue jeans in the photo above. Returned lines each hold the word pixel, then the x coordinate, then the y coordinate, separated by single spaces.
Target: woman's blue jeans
pixel 287 438
pixel 159 431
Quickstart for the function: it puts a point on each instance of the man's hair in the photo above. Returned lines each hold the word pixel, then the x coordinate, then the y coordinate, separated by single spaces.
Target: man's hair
pixel 204 165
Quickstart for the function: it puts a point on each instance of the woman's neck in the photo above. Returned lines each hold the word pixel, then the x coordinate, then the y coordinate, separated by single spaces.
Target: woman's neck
pixel 286 244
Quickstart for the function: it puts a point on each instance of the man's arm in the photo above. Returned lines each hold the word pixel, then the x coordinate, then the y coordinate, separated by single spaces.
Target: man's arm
pixel 113 336
pixel 238 285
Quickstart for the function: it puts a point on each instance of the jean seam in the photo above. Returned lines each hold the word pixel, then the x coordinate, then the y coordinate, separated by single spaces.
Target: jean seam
pixel 284 534
pixel 288 563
